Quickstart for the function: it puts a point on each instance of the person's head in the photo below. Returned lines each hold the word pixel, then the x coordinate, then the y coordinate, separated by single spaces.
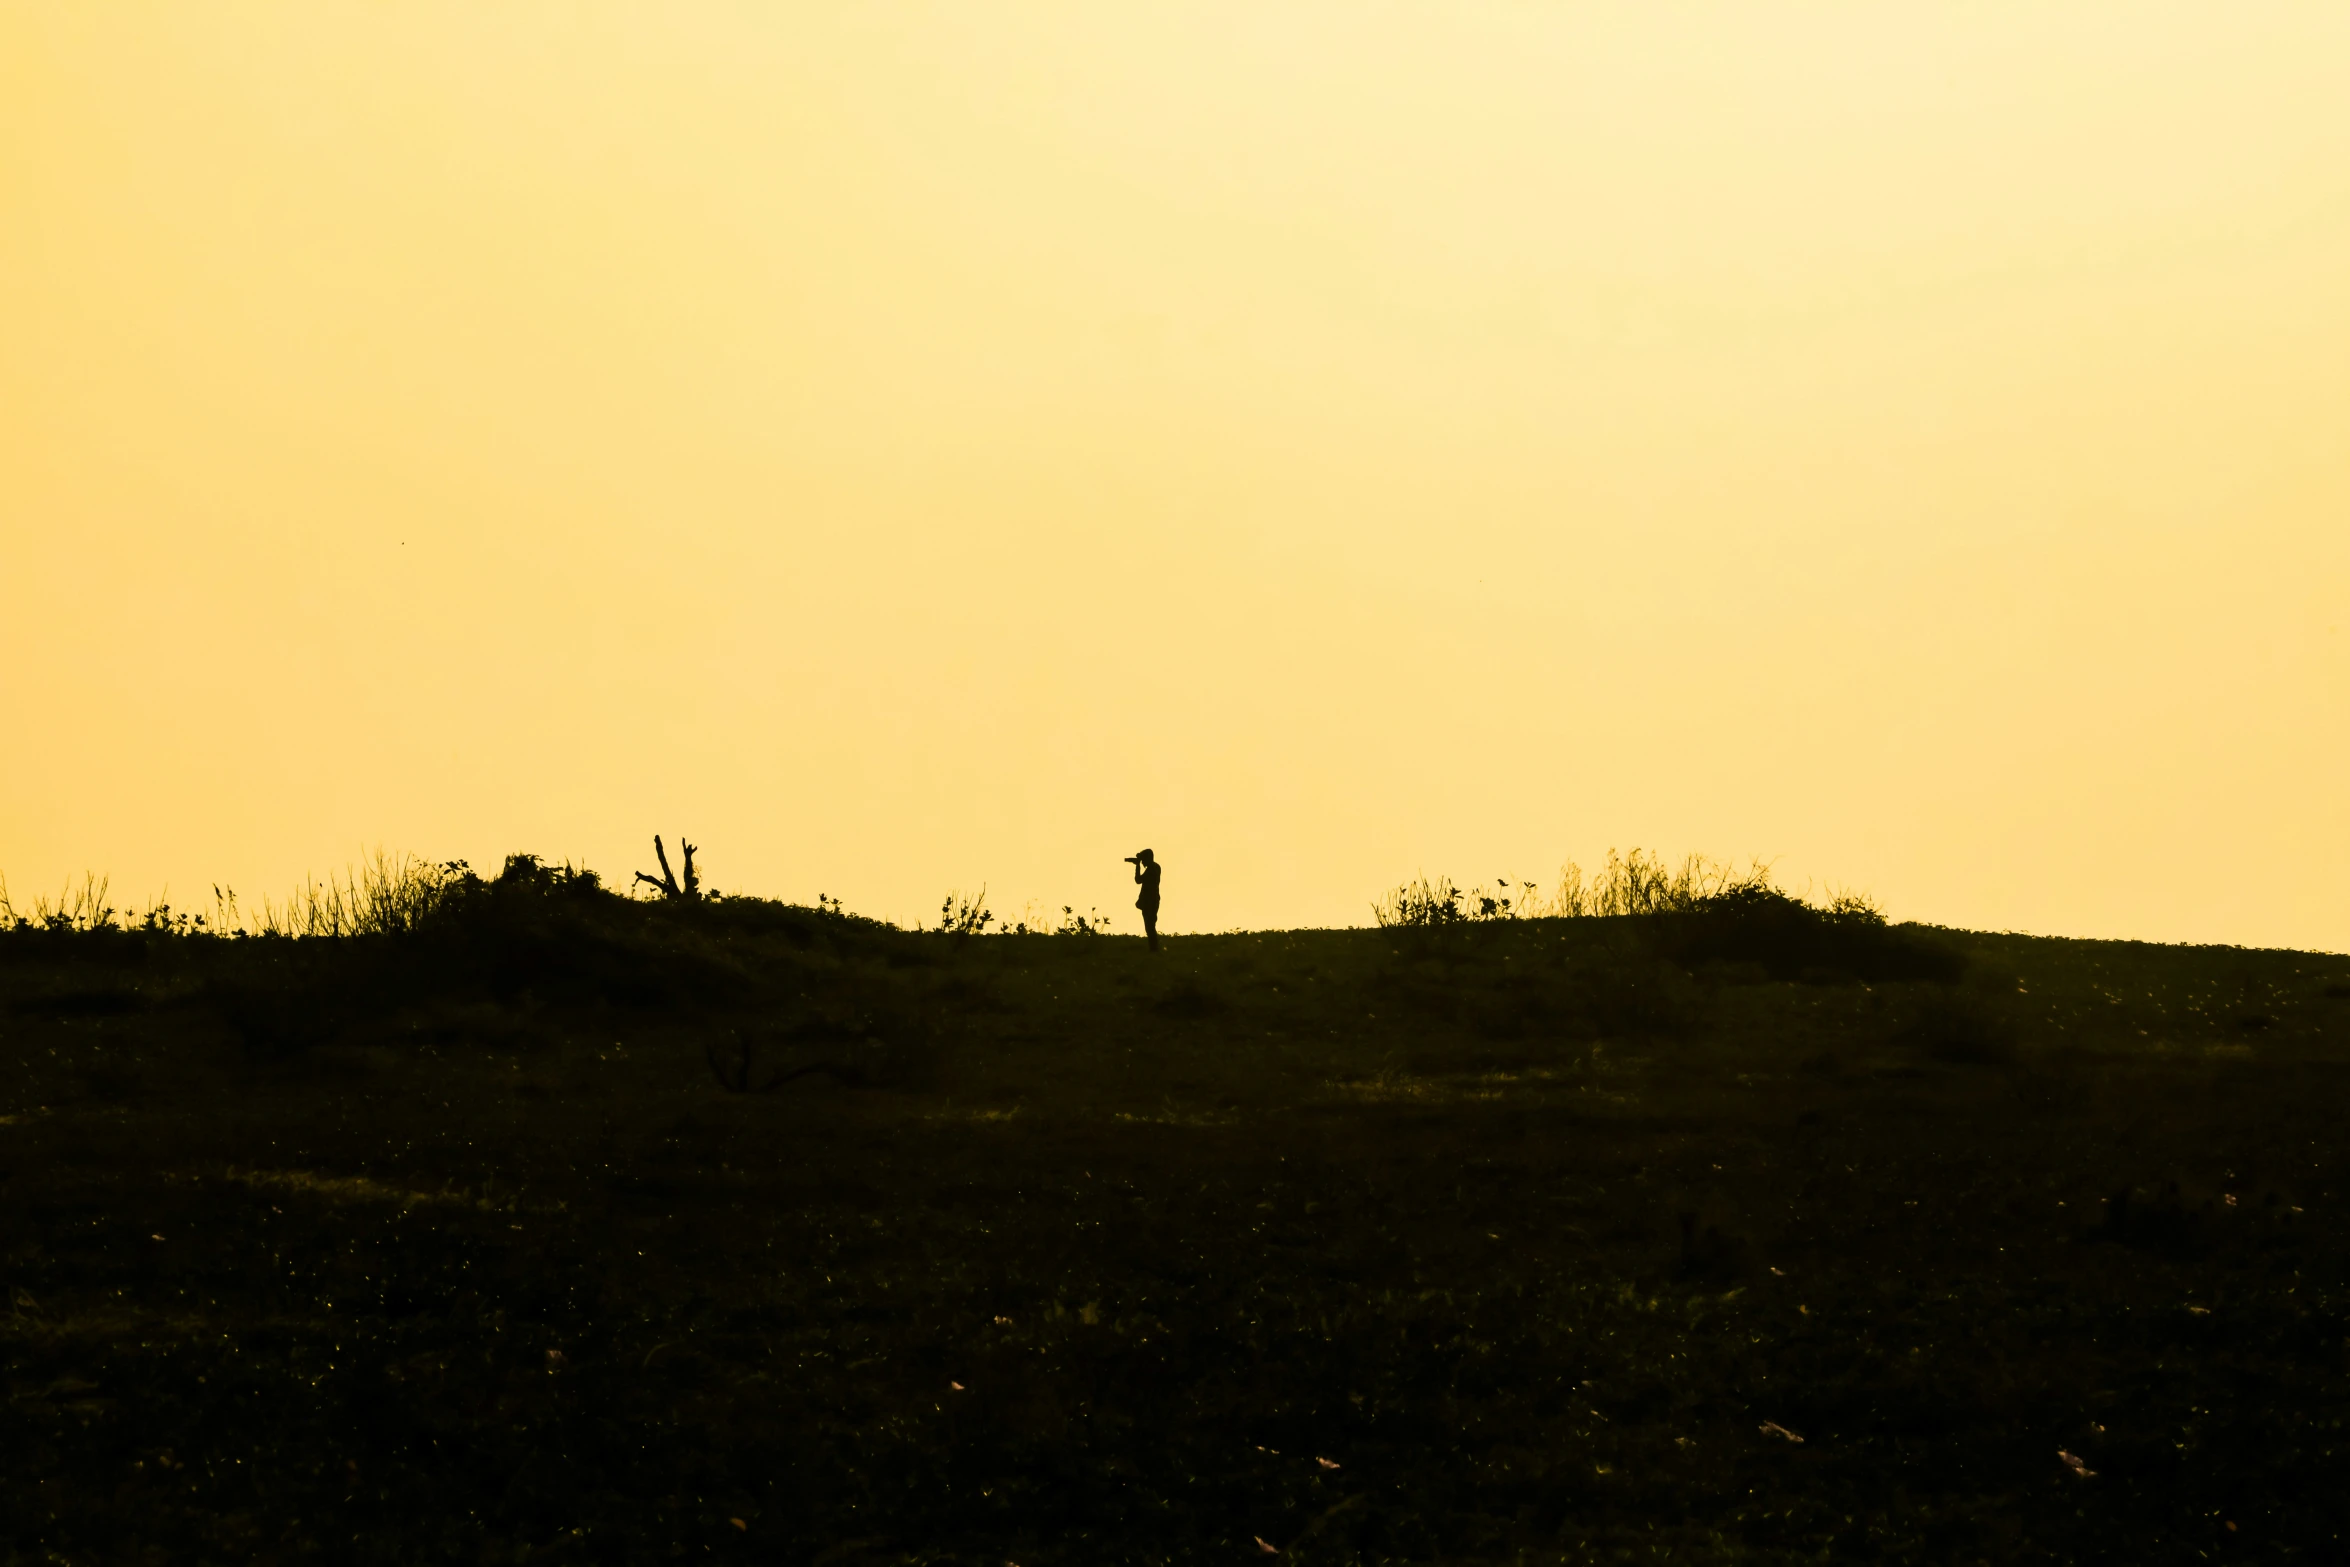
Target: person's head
pixel 1144 858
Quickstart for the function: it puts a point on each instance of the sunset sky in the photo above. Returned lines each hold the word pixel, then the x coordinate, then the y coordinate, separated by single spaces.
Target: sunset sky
pixel 904 447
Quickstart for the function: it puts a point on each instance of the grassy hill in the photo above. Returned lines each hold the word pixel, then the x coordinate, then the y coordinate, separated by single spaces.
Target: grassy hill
pixel 546 1226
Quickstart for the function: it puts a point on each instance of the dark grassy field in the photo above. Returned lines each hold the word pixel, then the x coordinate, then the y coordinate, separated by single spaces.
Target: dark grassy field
pixel 1747 1237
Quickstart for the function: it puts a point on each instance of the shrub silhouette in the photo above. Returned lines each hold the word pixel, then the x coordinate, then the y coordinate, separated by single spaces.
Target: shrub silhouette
pixel 1703 911
pixel 402 949
pixel 959 915
pixel 1792 939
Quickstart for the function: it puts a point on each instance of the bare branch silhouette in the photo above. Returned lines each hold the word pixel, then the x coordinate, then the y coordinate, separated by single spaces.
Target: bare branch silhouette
pixel 666 883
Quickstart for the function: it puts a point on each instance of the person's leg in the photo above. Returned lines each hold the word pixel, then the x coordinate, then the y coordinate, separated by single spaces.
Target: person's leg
pixel 1150 925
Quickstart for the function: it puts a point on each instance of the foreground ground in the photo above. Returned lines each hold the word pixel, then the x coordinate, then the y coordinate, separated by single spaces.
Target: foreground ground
pixel 1543 1241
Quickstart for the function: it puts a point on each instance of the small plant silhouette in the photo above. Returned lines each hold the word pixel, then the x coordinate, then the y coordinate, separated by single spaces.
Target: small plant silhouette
pixel 1424 902
pixel 963 916
pixel 1421 902
pixel 77 908
pixel 1034 921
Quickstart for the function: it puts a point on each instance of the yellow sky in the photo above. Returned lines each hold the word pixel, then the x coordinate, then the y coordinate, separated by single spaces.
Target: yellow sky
pixel 915 446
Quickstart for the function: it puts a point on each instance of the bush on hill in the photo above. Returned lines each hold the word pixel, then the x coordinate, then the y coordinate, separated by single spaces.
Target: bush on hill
pixel 1792 939
pixel 1703 912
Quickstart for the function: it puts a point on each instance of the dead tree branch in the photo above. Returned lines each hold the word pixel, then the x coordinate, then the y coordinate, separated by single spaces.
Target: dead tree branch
pixel 666 884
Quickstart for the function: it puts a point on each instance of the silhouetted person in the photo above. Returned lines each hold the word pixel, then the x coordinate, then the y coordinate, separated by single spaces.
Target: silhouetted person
pixel 1146 876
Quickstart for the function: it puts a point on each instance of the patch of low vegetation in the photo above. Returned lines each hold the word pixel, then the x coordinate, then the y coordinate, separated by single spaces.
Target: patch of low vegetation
pixel 1700 912
pixel 452 1217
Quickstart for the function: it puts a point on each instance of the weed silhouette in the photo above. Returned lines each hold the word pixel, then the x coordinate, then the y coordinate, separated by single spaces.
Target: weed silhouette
pixel 962 916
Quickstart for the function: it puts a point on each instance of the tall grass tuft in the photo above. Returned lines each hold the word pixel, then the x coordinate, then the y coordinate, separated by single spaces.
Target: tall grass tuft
pixel 76 908
pixel 384 895
pixel 1639 882
pixel 1636 882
